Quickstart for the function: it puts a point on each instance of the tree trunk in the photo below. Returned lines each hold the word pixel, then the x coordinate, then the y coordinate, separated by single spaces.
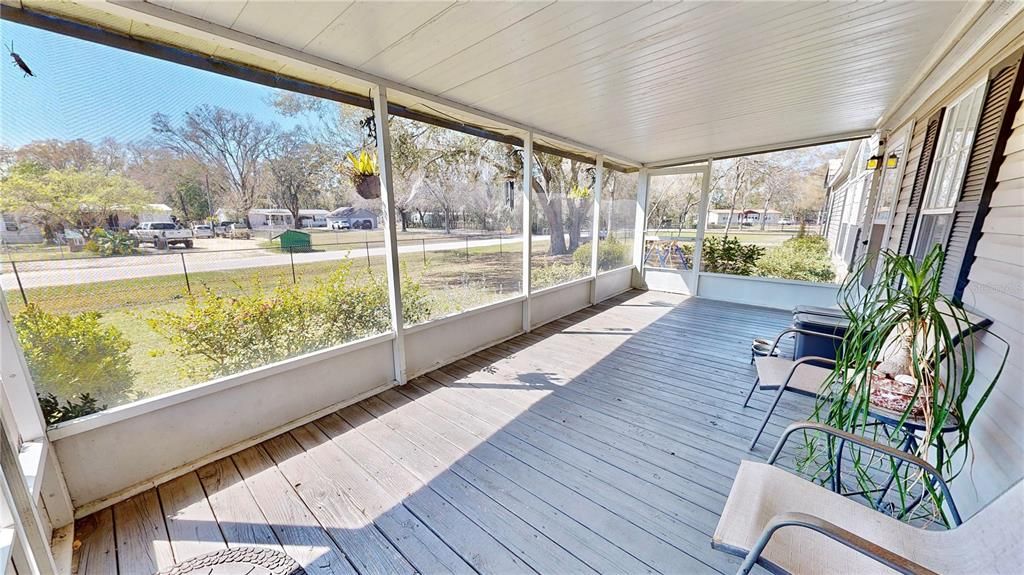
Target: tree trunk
pixel 764 211
pixel 294 209
pixel 553 215
pixel 184 206
pixel 735 196
pixel 580 209
pixel 608 216
pixel 556 229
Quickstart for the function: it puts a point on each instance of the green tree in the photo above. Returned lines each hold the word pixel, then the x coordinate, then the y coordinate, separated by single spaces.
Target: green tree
pixel 54 198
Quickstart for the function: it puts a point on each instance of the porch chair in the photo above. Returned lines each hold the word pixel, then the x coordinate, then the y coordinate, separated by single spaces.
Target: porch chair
pixel 803 377
pixel 787 524
pixel 781 374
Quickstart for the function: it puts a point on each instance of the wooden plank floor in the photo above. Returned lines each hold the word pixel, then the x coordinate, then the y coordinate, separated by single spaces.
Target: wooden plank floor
pixel 603 442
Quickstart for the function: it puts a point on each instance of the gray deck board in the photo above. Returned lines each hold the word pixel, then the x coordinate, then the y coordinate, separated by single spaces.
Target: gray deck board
pixel 605 441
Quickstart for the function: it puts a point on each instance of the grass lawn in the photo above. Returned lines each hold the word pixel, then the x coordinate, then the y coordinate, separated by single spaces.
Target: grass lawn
pixel 353 239
pixel 453 280
pixel 32 252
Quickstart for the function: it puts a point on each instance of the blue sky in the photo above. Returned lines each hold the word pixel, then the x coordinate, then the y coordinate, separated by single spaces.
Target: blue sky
pixel 85 90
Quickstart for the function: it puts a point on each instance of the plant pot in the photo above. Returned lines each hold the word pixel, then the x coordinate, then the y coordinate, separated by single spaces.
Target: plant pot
pixel 896 394
pixel 368 187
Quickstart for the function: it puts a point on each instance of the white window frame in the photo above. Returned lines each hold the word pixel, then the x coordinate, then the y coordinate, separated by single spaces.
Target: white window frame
pixel 956 140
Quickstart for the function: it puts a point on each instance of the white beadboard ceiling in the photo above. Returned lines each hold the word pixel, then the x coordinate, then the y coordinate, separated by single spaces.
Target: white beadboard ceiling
pixel 649 81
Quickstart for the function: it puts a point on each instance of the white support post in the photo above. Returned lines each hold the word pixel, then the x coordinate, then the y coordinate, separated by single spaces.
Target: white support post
pixel 380 116
pixel 20 410
pixel 640 228
pixel 595 233
pixel 17 381
pixel 22 506
pixel 702 223
pixel 527 201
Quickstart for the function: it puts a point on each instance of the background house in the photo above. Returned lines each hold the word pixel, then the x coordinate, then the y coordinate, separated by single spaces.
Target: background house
pixel 270 219
pixel 18 230
pixel 353 216
pixel 313 218
pixel 720 217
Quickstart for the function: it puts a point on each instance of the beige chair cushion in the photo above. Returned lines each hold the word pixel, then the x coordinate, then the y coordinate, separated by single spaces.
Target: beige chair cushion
pixel 773 371
pixel 988 543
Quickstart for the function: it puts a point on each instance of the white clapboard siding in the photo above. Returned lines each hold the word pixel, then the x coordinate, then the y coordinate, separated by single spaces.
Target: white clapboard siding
pixel 996 289
pixel 907 185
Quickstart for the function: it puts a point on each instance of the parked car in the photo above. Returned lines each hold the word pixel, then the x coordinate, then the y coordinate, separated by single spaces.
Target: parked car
pixel 162 234
pixel 786 222
pixel 363 225
pixel 340 225
pixel 202 231
pixel 239 231
pixel 220 230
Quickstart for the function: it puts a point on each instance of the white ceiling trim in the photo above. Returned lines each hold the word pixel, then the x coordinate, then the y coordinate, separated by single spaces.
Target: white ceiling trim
pixel 154 15
pixel 649 79
pixel 975 26
pixel 815 141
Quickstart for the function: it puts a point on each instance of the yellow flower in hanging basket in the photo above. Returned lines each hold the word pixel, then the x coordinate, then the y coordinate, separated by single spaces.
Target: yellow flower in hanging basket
pixel 363 165
pixel 365 174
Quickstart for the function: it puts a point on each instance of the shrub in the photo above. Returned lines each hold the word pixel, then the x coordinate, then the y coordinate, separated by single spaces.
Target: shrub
pixel 611 254
pixel 800 258
pixel 726 255
pixel 222 335
pixel 74 355
pixel 555 273
pixel 73 408
pixel 112 243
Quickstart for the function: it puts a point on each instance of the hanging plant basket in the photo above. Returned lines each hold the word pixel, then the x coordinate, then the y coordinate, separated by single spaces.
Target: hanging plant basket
pixel 368 187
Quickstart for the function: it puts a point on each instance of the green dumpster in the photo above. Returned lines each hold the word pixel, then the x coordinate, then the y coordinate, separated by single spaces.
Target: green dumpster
pixel 295 241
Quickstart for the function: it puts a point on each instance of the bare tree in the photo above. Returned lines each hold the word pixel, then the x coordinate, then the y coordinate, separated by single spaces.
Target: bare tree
pixel 178 181
pixel 58 154
pixel 747 174
pixel 299 170
pixel 234 143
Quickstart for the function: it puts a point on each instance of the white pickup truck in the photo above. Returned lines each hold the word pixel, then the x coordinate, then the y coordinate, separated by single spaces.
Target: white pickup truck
pixel 162 234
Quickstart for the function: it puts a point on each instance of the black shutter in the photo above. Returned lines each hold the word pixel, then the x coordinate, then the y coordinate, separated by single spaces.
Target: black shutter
pixel 924 169
pixel 1002 98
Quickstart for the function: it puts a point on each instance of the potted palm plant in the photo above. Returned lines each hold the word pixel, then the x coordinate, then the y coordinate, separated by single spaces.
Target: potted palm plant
pixel 365 174
pixel 909 357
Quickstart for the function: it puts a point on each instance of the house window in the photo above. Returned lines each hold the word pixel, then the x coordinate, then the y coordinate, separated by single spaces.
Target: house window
pixel 955 140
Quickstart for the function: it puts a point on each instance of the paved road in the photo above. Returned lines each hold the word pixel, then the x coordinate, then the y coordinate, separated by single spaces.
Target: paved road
pixel 90 270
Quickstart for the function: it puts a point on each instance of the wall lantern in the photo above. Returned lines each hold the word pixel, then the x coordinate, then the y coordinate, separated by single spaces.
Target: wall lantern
pixel 892 161
pixel 873 163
